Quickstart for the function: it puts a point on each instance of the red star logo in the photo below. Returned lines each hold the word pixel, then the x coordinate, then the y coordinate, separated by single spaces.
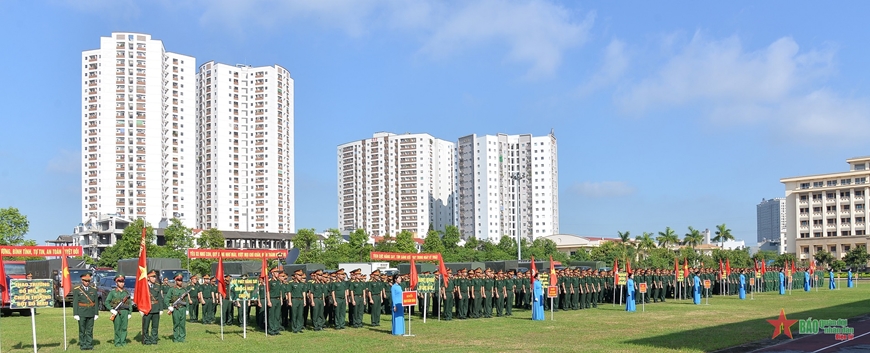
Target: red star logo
pixel 782 324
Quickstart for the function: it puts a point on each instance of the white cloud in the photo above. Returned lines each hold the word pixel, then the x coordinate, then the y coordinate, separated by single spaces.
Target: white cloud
pixel 534 32
pixel 778 85
pixel 614 62
pixel 603 189
pixel 65 162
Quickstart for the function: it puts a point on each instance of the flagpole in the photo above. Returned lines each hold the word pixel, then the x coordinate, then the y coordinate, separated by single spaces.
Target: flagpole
pixel 223 313
pixel 63 300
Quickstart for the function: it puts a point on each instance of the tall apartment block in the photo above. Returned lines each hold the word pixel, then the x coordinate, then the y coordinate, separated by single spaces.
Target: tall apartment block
pixel 828 211
pixel 138 127
pixel 498 174
pixel 771 223
pixel 390 183
pixel 245 148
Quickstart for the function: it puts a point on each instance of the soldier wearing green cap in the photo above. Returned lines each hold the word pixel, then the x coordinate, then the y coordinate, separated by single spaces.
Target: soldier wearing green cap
pixel 119 301
pixel 151 321
pixel 85 311
pixel 176 302
pixel 206 298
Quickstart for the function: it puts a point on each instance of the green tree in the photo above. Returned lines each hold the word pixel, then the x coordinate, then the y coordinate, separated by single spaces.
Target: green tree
pixel 508 245
pixel 211 239
pixel 763 255
pixel 782 258
pixel 451 238
pixel 693 238
pixel 127 245
pixel 624 243
pixel 306 241
pixel 405 242
pixel 386 244
pixel 824 258
pixel 723 234
pixel 177 236
pixel 580 255
pixel 645 243
pixel 857 257
pixel 667 238
pixel 607 252
pixel 472 243
pixel 359 246
pixel 432 243
pixel 13 226
pixel 838 265
pixel 334 249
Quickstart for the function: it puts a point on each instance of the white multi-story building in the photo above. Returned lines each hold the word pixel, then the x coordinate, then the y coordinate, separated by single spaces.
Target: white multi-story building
pixel 771 224
pixel 138 127
pixel 493 172
pixel 245 148
pixel 390 183
pixel 828 211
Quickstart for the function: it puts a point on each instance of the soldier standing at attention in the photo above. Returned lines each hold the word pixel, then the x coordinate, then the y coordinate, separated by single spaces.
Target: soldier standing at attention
pixel 176 300
pixel 461 295
pixel 151 321
pixel 376 296
pixel 318 298
pixel 85 311
pixel 225 302
pixel 511 284
pixel 274 302
pixel 119 304
pixel 193 303
pixel 448 292
pixel 296 292
pixel 339 299
pixel 206 298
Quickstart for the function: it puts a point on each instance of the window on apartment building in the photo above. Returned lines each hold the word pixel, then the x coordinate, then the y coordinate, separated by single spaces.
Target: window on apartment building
pixel 803 197
pixel 832 183
pixel 818 184
pixel 832 234
pixel 833 248
pixel 805 185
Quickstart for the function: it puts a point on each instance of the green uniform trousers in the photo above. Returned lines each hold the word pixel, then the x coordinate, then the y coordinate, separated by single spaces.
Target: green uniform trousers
pixel 297 316
pixel 86 332
pixel 376 310
pixel 340 313
pixel 179 328
pixel 120 325
pixel 150 326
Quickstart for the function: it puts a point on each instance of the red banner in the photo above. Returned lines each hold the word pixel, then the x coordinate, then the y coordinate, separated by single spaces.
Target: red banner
pixel 235 254
pixel 393 256
pixel 40 251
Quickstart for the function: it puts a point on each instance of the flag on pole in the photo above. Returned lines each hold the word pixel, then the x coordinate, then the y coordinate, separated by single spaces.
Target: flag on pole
pixel 3 284
pixel 264 274
pixel 812 267
pixel 222 284
pixel 727 267
pixel 628 266
pixel 442 269
pixel 676 266
pixel 763 267
pixel 142 295
pixel 413 275
pixel 553 279
pixel 615 272
pixel 533 271
pixel 65 282
pixel 686 268
pixel 721 269
pixel 793 269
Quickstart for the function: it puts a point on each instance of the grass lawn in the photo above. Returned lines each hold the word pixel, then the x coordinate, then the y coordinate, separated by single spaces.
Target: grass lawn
pixel 674 326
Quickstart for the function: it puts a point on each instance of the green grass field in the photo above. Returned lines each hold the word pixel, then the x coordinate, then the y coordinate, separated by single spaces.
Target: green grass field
pixel 674 326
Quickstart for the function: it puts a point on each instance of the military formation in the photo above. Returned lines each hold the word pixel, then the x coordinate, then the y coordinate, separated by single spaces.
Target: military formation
pixel 296 302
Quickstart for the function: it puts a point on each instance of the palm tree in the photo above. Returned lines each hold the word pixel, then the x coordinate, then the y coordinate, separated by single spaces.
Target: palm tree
pixel 723 234
pixel 667 238
pixel 693 238
pixel 625 237
pixel 645 243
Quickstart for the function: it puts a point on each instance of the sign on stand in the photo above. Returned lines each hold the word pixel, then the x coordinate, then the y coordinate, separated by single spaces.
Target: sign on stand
pixel 552 292
pixel 31 294
pixel 707 287
pixel 409 298
pixel 642 291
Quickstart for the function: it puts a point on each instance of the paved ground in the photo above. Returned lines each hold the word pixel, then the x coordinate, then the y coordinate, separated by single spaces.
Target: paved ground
pixel 822 343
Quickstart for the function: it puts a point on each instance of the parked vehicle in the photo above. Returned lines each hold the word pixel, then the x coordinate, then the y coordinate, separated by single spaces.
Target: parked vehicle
pixel 14 270
pixel 108 284
pixel 50 269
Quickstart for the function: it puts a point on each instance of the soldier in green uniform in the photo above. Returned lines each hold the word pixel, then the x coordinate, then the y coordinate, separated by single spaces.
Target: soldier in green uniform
pixel 274 302
pixel 193 303
pixel 317 298
pixel 462 295
pixel 175 301
pixel 297 291
pixel 447 287
pixel 85 311
pixel 339 299
pixel 226 304
pixel 206 298
pixel 376 293
pixel 151 321
pixel 119 305
pixel 357 300
pixel 499 293
pixel 488 293
pixel 511 287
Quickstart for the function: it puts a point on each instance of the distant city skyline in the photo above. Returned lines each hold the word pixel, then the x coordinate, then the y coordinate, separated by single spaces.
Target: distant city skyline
pixel 666 115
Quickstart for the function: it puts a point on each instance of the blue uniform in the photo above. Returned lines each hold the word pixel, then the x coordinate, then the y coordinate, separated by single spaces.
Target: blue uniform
pixel 538 302
pixel 831 284
pixel 849 283
pixel 781 284
pixel 629 300
pixel 742 292
pixel 398 310
pixel 696 290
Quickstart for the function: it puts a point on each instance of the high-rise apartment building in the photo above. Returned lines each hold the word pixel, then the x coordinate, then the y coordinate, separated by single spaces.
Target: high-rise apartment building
pixel 390 183
pixel 138 127
pixel 828 211
pixel 245 148
pixel 771 223
pixel 496 175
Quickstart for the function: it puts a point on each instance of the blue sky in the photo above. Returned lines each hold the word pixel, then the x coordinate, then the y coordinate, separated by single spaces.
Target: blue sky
pixel 679 115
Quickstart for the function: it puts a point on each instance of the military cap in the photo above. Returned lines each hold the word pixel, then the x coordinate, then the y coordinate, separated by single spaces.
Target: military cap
pixel 194 276
pixel 179 277
pixel 119 276
pixel 86 275
pixel 376 272
pixel 277 269
pixel 206 277
pixel 152 273
pixel 356 271
pixel 299 272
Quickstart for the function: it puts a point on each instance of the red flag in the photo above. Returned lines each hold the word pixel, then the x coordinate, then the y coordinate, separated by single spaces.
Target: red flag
pixel 686 267
pixel 66 282
pixel 728 267
pixel 615 272
pixel 755 263
pixel 142 295
pixel 264 274
pixel 553 278
pixel 533 271
pixel 442 269
pixel 763 267
pixel 793 270
pixel 413 275
pixel 812 267
pixel 676 266
pixel 721 269
pixel 3 284
pixel 628 266
pixel 222 284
